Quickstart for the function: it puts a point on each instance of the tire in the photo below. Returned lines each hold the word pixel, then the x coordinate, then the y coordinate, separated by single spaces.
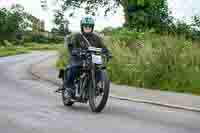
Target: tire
pixel 66 102
pixel 106 91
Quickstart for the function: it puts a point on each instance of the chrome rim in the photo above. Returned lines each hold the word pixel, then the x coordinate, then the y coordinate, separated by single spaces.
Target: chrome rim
pixel 99 93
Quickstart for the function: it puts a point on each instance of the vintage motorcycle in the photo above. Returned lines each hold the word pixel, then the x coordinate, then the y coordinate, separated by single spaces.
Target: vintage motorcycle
pixel 92 83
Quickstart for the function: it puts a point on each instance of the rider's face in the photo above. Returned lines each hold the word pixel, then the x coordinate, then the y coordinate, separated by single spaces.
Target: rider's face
pixel 87 29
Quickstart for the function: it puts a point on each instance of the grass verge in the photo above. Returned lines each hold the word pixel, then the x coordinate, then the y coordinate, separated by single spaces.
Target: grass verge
pixel 28 47
pixel 38 46
pixel 8 51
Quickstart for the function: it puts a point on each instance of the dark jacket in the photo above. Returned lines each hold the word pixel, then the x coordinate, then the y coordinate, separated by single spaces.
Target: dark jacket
pixel 77 41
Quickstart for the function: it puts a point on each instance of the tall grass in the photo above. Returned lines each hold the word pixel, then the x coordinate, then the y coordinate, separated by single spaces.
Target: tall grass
pixel 160 62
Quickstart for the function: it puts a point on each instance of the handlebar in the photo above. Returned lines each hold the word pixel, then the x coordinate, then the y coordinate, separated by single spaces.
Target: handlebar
pixel 86 52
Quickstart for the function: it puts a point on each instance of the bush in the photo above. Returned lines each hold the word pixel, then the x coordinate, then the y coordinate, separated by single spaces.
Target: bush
pixel 127 37
pixel 28 38
pixel 62 59
pixel 1 43
pixel 195 35
pixel 56 39
pixel 42 39
pixel 39 39
pixel 107 31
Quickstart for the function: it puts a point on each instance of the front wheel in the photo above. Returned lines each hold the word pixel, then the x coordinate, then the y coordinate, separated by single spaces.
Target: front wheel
pixel 98 96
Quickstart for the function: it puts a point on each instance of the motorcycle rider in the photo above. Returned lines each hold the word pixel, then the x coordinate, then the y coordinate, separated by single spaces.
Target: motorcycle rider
pixel 81 40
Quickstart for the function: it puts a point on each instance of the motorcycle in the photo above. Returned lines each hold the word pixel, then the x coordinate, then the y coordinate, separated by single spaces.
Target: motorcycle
pixel 92 84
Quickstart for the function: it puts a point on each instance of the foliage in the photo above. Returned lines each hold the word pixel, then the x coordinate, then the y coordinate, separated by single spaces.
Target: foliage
pixel 42 38
pixel 151 61
pixel 5 43
pixel 107 31
pixel 61 22
pixel 61 30
pixel 91 6
pixel 39 38
pixel 127 37
pixel 12 21
pixel 63 58
pixel 196 21
pixel 139 14
pixel 163 62
pixel 146 14
pixel 183 29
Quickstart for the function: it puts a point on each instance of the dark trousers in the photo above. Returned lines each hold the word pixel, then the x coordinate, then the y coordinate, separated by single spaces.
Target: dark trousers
pixel 70 76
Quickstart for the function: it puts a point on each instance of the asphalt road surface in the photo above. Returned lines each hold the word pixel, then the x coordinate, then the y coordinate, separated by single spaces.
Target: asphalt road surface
pixel 30 106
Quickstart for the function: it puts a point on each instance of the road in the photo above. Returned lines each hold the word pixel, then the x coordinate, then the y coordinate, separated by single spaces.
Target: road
pixel 30 106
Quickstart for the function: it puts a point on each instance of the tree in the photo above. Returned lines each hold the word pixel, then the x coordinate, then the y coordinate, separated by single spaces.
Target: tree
pixel 139 14
pixel 196 28
pixel 61 22
pixel 196 21
pixel 62 29
pixel 12 21
pixel 183 29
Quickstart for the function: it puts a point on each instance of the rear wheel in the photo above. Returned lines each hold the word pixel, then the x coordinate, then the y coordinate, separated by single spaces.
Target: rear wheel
pixel 98 96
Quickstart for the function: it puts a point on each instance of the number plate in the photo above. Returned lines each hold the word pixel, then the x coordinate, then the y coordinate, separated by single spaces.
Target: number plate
pixel 97 59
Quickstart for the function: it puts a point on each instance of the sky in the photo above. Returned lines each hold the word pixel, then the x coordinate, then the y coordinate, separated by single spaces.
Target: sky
pixel 182 9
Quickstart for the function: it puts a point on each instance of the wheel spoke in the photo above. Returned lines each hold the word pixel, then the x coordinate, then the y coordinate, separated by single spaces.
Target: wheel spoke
pixel 99 93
